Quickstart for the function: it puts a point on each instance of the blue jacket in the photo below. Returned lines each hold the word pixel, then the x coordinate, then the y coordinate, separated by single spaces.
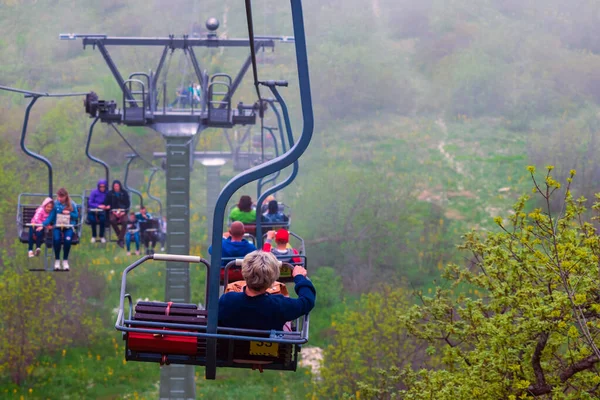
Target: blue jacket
pixel 134 226
pixel 97 197
pixel 266 311
pixel 140 218
pixel 273 218
pixel 58 209
pixel 234 249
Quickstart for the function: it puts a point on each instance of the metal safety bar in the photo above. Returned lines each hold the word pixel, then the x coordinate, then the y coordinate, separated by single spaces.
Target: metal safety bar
pixel 128 325
pixel 292 176
pixel 284 265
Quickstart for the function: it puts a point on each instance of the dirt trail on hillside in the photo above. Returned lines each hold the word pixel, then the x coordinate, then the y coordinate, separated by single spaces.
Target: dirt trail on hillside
pixel 455 165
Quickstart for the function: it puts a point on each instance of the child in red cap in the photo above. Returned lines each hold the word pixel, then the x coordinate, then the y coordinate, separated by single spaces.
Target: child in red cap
pixel 282 251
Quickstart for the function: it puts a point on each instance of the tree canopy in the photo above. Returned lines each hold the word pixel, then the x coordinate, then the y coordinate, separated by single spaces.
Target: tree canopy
pixel 520 319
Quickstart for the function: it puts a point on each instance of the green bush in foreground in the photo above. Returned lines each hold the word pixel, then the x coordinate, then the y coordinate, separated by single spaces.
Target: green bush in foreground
pixel 528 331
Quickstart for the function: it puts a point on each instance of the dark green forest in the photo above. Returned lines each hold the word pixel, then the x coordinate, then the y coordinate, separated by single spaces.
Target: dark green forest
pixel 446 265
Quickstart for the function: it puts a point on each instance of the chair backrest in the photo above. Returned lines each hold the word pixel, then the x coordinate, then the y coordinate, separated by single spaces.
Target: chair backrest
pixel 26 213
pixel 149 224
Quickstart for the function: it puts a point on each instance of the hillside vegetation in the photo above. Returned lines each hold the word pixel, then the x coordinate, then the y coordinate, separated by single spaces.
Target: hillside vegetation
pixel 428 113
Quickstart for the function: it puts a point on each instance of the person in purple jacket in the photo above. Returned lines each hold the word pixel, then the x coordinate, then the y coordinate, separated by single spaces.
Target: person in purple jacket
pixel 254 308
pixel 96 201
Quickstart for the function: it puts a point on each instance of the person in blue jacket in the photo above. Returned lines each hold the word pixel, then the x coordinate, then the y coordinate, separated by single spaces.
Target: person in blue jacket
pixel 254 308
pixel 234 244
pixel 96 201
pixel 63 205
pixel 273 215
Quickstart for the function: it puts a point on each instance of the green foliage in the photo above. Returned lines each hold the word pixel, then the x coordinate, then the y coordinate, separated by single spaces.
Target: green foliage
pixel 330 303
pixel 530 329
pixel 368 338
pixel 552 143
pixel 39 313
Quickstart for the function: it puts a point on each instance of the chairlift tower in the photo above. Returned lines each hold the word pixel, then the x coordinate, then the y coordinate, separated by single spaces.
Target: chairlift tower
pixel 141 106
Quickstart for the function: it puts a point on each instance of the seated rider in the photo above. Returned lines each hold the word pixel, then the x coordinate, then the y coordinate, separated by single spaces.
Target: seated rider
pixel 265 205
pixel 96 201
pixel 273 215
pixel 147 236
pixel 282 250
pixel 62 234
pixel 243 212
pixel 36 233
pixel 254 308
pixel 234 244
pixel 133 232
pixel 117 202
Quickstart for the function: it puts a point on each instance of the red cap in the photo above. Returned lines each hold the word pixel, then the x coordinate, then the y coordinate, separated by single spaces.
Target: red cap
pixel 282 235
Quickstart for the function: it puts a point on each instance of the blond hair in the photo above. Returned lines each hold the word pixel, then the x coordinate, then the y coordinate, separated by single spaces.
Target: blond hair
pixel 260 270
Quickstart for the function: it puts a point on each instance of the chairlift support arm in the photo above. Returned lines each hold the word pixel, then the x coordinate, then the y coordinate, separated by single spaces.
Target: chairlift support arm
pixel 253 174
pixel 31 153
pixel 156 199
pixel 290 179
pixel 131 158
pixel 262 181
pixel 34 97
pixel 91 157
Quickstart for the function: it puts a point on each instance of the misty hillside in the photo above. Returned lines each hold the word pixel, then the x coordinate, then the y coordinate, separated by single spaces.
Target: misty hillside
pixel 427 114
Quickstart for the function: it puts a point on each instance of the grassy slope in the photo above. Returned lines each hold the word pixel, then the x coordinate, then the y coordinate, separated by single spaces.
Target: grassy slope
pixel 490 157
pixel 99 371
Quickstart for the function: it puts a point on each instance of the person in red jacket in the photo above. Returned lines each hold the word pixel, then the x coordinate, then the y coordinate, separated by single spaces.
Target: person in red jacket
pixel 282 250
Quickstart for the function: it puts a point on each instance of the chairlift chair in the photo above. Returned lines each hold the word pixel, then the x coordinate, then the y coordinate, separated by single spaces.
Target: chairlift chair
pixel 27 204
pixel 266 226
pixel 86 210
pixel 176 333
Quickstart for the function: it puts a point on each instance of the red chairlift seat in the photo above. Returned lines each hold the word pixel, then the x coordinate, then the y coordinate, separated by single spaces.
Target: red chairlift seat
pixel 184 340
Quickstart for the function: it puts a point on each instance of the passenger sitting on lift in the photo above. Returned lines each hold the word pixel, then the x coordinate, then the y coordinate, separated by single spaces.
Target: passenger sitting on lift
pixel 63 205
pixel 265 205
pixel 273 215
pixel 96 201
pixel 196 92
pixel 147 236
pixel 282 250
pixel 254 308
pixel 182 97
pixel 117 200
pixel 243 212
pixel 133 230
pixel 234 244
pixel 36 233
